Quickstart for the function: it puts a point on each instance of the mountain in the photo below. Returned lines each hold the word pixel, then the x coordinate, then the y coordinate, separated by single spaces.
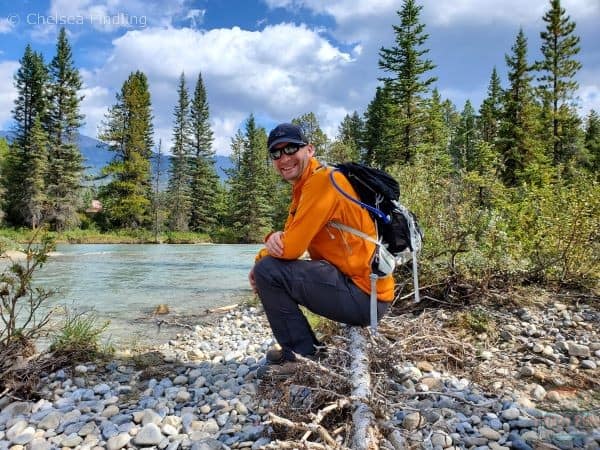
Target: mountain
pixel 97 155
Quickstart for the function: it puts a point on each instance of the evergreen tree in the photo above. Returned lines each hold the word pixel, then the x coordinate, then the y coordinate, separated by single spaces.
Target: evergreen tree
pixel 65 168
pixel 31 105
pixel 381 130
pixel 251 185
pixel 520 146
pixel 347 145
pixel 408 81
pixel 312 130
pixel 491 110
pixel 128 131
pixel 3 168
pixel 179 190
pixel 35 207
pixel 205 181
pixel 557 80
pixel 31 83
pixel 465 141
pixel 592 141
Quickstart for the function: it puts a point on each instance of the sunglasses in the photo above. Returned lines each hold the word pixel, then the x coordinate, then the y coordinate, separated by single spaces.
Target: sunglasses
pixel 289 149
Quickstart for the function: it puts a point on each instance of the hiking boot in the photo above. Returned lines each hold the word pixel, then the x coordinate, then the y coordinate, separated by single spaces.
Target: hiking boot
pixel 275 355
pixel 284 370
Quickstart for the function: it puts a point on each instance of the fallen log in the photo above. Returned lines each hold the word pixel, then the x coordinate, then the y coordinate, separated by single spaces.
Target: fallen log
pixel 364 430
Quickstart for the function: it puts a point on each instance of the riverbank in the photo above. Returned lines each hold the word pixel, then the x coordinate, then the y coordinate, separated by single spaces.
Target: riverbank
pixel 20 237
pixel 528 380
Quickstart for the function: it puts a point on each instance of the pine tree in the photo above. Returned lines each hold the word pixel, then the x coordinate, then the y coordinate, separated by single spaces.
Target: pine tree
pixel 3 169
pixel 408 82
pixel 251 185
pixel 381 130
pixel 35 207
pixel 31 105
pixel 179 190
pixel 128 130
pixel 557 80
pixel 65 168
pixel 520 146
pixel 348 143
pixel 465 141
pixel 204 178
pixel 491 110
pixel 313 132
pixel 592 141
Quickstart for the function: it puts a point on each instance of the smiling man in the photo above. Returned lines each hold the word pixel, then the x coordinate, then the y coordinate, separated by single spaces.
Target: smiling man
pixel 335 282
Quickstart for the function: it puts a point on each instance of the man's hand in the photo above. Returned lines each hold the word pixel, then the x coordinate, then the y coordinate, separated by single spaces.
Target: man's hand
pixel 274 244
pixel 252 280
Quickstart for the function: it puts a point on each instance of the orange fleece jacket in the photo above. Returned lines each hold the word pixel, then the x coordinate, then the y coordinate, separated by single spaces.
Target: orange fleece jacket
pixel 315 202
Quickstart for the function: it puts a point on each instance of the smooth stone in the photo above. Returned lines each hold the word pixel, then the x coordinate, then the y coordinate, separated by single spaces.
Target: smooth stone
pixel 117 442
pixel 511 414
pixel 150 434
pixel 489 433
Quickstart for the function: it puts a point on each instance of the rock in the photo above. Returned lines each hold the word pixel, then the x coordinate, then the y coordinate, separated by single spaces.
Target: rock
pixel 511 413
pixel 588 364
pixel 149 435
pixel 441 439
pixel 489 433
pixel 161 309
pixel 553 396
pixel 538 392
pixel 119 441
pixel 413 421
pixel 527 371
pixel 578 350
pixel 425 366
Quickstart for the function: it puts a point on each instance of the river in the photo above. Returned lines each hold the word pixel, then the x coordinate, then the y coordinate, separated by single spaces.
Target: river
pixel 123 283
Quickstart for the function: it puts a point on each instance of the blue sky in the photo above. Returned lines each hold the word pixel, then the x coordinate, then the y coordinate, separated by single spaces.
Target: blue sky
pixel 277 59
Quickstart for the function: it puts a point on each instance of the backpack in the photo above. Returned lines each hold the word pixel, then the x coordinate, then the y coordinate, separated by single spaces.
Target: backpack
pixel 399 237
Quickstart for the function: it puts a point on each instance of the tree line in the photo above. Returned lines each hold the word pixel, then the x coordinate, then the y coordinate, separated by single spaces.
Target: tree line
pixel 525 141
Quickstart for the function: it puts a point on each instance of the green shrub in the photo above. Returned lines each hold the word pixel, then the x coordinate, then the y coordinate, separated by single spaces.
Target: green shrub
pixel 79 336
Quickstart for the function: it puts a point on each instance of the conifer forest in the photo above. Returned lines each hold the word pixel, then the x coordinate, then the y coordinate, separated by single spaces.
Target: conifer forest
pixel 505 191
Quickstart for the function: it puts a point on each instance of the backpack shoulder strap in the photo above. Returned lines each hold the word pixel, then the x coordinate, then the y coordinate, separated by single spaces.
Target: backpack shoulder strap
pixel 349 229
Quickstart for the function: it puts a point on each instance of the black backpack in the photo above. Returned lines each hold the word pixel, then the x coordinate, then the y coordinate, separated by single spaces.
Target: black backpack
pixel 398 231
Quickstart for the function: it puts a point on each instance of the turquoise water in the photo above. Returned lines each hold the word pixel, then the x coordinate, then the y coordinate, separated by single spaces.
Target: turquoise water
pixel 124 283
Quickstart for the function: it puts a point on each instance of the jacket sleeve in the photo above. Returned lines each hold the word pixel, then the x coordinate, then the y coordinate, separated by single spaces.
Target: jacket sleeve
pixel 315 207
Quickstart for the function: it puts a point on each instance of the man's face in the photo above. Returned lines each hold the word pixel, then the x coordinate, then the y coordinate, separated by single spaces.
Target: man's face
pixel 291 167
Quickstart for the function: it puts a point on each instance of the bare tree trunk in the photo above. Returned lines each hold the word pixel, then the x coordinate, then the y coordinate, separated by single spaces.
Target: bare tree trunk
pixel 364 435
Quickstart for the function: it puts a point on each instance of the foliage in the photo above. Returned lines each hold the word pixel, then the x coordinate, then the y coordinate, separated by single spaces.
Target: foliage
pixel 205 184
pixel 79 336
pixel 65 162
pixel 558 84
pixel 22 307
pixel 128 131
pixel 179 190
pixel 408 82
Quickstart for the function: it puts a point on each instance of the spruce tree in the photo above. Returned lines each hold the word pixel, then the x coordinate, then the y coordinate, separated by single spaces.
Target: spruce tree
pixel 251 185
pixel 31 105
pixel 179 190
pixel 204 179
pixel 36 205
pixel 348 143
pixel 520 146
pixel 465 140
pixel 313 132
pixel 65 169
pixel 592 141
pixel 381 130
pixel 558 86
pixel 128 131
pixel 3 168
pixel 409 82
pixel 491 110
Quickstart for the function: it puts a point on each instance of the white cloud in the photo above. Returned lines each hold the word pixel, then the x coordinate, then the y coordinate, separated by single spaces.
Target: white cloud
pixel 6 25
pixel 283 70
pixel 8 94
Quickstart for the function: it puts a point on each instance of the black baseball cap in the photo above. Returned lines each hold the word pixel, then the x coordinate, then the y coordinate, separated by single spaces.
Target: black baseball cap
pixel 286 132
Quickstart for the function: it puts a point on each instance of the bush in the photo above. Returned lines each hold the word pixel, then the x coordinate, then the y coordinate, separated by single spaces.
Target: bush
pixel 79 336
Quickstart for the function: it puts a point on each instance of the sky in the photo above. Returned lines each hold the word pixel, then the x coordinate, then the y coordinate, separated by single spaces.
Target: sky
pixel 277 59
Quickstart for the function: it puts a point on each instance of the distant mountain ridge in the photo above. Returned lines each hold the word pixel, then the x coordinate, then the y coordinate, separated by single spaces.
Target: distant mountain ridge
pixel 97 155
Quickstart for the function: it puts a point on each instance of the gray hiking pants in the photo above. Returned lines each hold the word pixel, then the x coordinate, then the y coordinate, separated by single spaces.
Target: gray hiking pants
pixel 283 285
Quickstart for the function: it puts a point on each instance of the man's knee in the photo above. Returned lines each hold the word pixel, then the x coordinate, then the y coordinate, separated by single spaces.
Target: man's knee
pixel 265 268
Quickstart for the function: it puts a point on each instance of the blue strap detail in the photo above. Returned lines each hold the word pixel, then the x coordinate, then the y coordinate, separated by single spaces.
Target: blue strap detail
pixel 369 208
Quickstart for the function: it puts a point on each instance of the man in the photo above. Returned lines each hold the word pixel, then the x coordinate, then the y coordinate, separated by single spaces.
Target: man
pixel 335 282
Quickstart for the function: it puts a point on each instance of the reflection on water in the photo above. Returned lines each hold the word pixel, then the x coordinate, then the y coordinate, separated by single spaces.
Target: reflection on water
pixel 124 282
